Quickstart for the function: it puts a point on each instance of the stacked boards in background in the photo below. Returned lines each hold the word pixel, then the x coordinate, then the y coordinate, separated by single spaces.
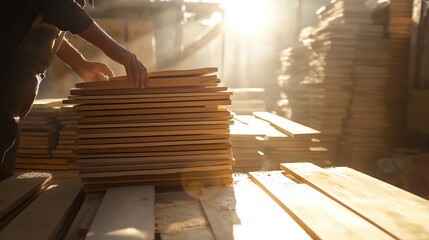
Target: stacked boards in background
pixel 39 132
pixel 246 135
pixel 293 98
pixel 289 141
pixel 175 132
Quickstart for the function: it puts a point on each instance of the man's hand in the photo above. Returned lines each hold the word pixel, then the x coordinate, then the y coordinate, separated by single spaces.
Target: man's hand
pixel 94 71
pixel 136 71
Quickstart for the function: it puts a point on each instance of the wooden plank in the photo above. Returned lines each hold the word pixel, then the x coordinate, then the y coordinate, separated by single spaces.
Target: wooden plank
pixel 232 213
pixel 183 73
pixel 152 154
pixel 319 215
pixel 180 216
pixel 218 115
pixel 353 189
pixel 147 96
pixel 85 92
pixel 153 124
pixel 107 100
pixel 123 83
pixel 158 133
pixel 91 201
pixel 151 166
pixel 154 172
pixel 125 213
pixel 151 105
pixel 158 148
pixel 154 144
pixel 149 111
pixel 152 139
pixel 18 188
pixel 285 125
pixel 161 159
pixel 46 215
pixel 152 129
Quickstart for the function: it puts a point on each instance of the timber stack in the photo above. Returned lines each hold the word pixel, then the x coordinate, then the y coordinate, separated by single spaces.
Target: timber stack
pixel 293 98
pixel 174 132
pixel 39 138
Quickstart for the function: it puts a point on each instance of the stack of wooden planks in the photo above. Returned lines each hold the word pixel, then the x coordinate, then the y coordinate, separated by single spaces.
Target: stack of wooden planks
pixel 376 113
pixel 293 98
pixel 173 132
pixel 246 134
pixel 290 142
pixel 67 135
pixel 39 137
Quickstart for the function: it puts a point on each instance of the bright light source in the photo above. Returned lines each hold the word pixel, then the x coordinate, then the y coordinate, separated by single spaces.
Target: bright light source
pixel 246 15
pixel 216 18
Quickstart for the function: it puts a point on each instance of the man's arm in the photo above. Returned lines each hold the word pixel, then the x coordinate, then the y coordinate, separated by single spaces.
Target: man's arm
pixel 88 71
pixel 136 71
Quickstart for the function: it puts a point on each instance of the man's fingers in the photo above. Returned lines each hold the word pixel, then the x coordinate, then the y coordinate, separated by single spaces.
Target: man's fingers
pixel 107 71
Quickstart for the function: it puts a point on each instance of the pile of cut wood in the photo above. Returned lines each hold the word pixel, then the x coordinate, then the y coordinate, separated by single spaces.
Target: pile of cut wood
pixel 39 138
pixel 175 132
pixel 289 141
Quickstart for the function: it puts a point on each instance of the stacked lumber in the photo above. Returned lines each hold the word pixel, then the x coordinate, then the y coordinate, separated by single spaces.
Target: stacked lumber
pixel 67 135
pixel 334 203
pixel 291 142
pixel 376 113
pixel 246 135
pixel 175 132
pixel 295 66
pixel 39 136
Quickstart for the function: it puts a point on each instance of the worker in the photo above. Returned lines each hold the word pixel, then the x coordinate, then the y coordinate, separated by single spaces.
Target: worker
pixel 32 34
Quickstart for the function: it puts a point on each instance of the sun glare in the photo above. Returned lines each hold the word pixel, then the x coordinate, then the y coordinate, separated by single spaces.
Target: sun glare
pixel 246 15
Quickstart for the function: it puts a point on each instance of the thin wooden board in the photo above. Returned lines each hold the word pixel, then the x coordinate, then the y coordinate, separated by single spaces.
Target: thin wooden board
pixel 17 188
pixel 156 133
pixel 153 154
pixel 95 92
pixel 184 176
pixel 151 166
pixel 149 100
pixel 92 201
pixel 152 139
pixel 319 215
pixel 154 172
pixel 46 215
pixel 151 129
pixel 180 216
pixel 161 159
pixel 285 125
pixel 353 189
pixel 154 144
pixel 151 105
pixel 147 111
pixel 146 97
pixel 232 213
pixel 183 73
pixel 202 116
pixel 125 213
pixel 123 83
pixel 154 124
pixel 158 148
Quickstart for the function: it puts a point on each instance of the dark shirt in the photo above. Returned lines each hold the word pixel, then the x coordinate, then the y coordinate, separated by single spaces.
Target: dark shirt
pixel 16 17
